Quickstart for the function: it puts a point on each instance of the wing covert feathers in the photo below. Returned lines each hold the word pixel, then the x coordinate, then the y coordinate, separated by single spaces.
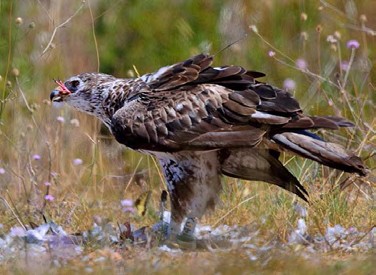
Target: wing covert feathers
pixel 194 106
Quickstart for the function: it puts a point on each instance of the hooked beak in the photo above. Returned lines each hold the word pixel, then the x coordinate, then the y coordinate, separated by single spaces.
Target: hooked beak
pixel 60 92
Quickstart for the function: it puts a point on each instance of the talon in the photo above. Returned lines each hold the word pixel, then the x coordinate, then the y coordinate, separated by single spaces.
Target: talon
pixel 186 238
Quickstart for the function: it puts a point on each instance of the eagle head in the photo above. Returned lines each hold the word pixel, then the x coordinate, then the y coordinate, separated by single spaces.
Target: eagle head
pixel 84 92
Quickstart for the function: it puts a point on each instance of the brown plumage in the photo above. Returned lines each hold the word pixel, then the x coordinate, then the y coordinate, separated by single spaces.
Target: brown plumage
pixel 202 121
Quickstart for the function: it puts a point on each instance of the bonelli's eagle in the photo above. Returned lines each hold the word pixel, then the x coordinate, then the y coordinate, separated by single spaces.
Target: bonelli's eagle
pixel 202 122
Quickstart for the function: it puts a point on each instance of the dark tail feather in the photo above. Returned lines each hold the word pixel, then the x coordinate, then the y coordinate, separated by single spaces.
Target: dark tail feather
pixel 329 154
pixel 316 122
pixel 260 165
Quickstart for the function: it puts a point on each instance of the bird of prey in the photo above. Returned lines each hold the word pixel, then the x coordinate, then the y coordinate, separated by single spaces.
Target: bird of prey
pixel 202 122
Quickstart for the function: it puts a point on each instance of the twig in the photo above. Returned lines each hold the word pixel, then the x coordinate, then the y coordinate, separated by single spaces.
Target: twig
pixel 13 212
pixel 255 31
pixel 361 238
pixel 60 26
pixel 134 173
pixel 94 36
pixel 159 172
pixel 23 96
pixel 343 85
pixel 327 5
pixel 232 209
pixel 49 177
pixel 45 9
pixel 308 72
pixel 305 71
pixel 322 233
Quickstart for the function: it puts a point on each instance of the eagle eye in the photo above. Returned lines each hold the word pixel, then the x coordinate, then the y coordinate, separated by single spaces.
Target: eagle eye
pixel 72 86
pixel 75 83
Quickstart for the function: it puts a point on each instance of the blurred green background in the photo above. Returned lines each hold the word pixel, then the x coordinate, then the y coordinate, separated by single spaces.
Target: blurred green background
pixel 112 36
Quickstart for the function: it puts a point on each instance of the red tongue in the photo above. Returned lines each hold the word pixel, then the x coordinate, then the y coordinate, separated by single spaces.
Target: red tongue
pixel 64 89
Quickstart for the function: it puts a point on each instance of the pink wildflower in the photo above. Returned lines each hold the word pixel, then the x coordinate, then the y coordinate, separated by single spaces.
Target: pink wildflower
pixel 301 64
pixel 60 119
pixel 345 66
pixel 36 157
pixel 47 183
pixel 352 44
pixel 49 197
pixel 289 84
pixel 271 53
pixel 127 205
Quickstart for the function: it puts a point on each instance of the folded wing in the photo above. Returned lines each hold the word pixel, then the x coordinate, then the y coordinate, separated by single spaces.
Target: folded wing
pixel 194 106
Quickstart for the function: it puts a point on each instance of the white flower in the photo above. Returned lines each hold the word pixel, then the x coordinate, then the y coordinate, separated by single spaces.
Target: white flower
pixel 77 162
pixel 60 119
pixel 253 28
pixel 75 122
pixel 331 39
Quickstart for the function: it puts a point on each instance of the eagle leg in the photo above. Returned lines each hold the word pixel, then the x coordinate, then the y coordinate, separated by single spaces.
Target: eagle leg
pixel 193 184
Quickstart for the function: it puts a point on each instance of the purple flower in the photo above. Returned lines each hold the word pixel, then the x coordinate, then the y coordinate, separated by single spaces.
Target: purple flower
pixel 60 119
pixel 352 230
pixel 127 205
pixel 345 66
pixel 47 183
pixel 49 197
pixel 77 162
pixel 36 157
pixel 352 44
pixel 289 84
pixel 301 64
pixel 2 171
pixel 271 54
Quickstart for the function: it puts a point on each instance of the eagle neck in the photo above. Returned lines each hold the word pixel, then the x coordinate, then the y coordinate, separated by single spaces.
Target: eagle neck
pixel 115 97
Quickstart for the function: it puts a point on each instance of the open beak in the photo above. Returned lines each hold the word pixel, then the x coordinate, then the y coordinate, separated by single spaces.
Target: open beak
pixel 60 92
